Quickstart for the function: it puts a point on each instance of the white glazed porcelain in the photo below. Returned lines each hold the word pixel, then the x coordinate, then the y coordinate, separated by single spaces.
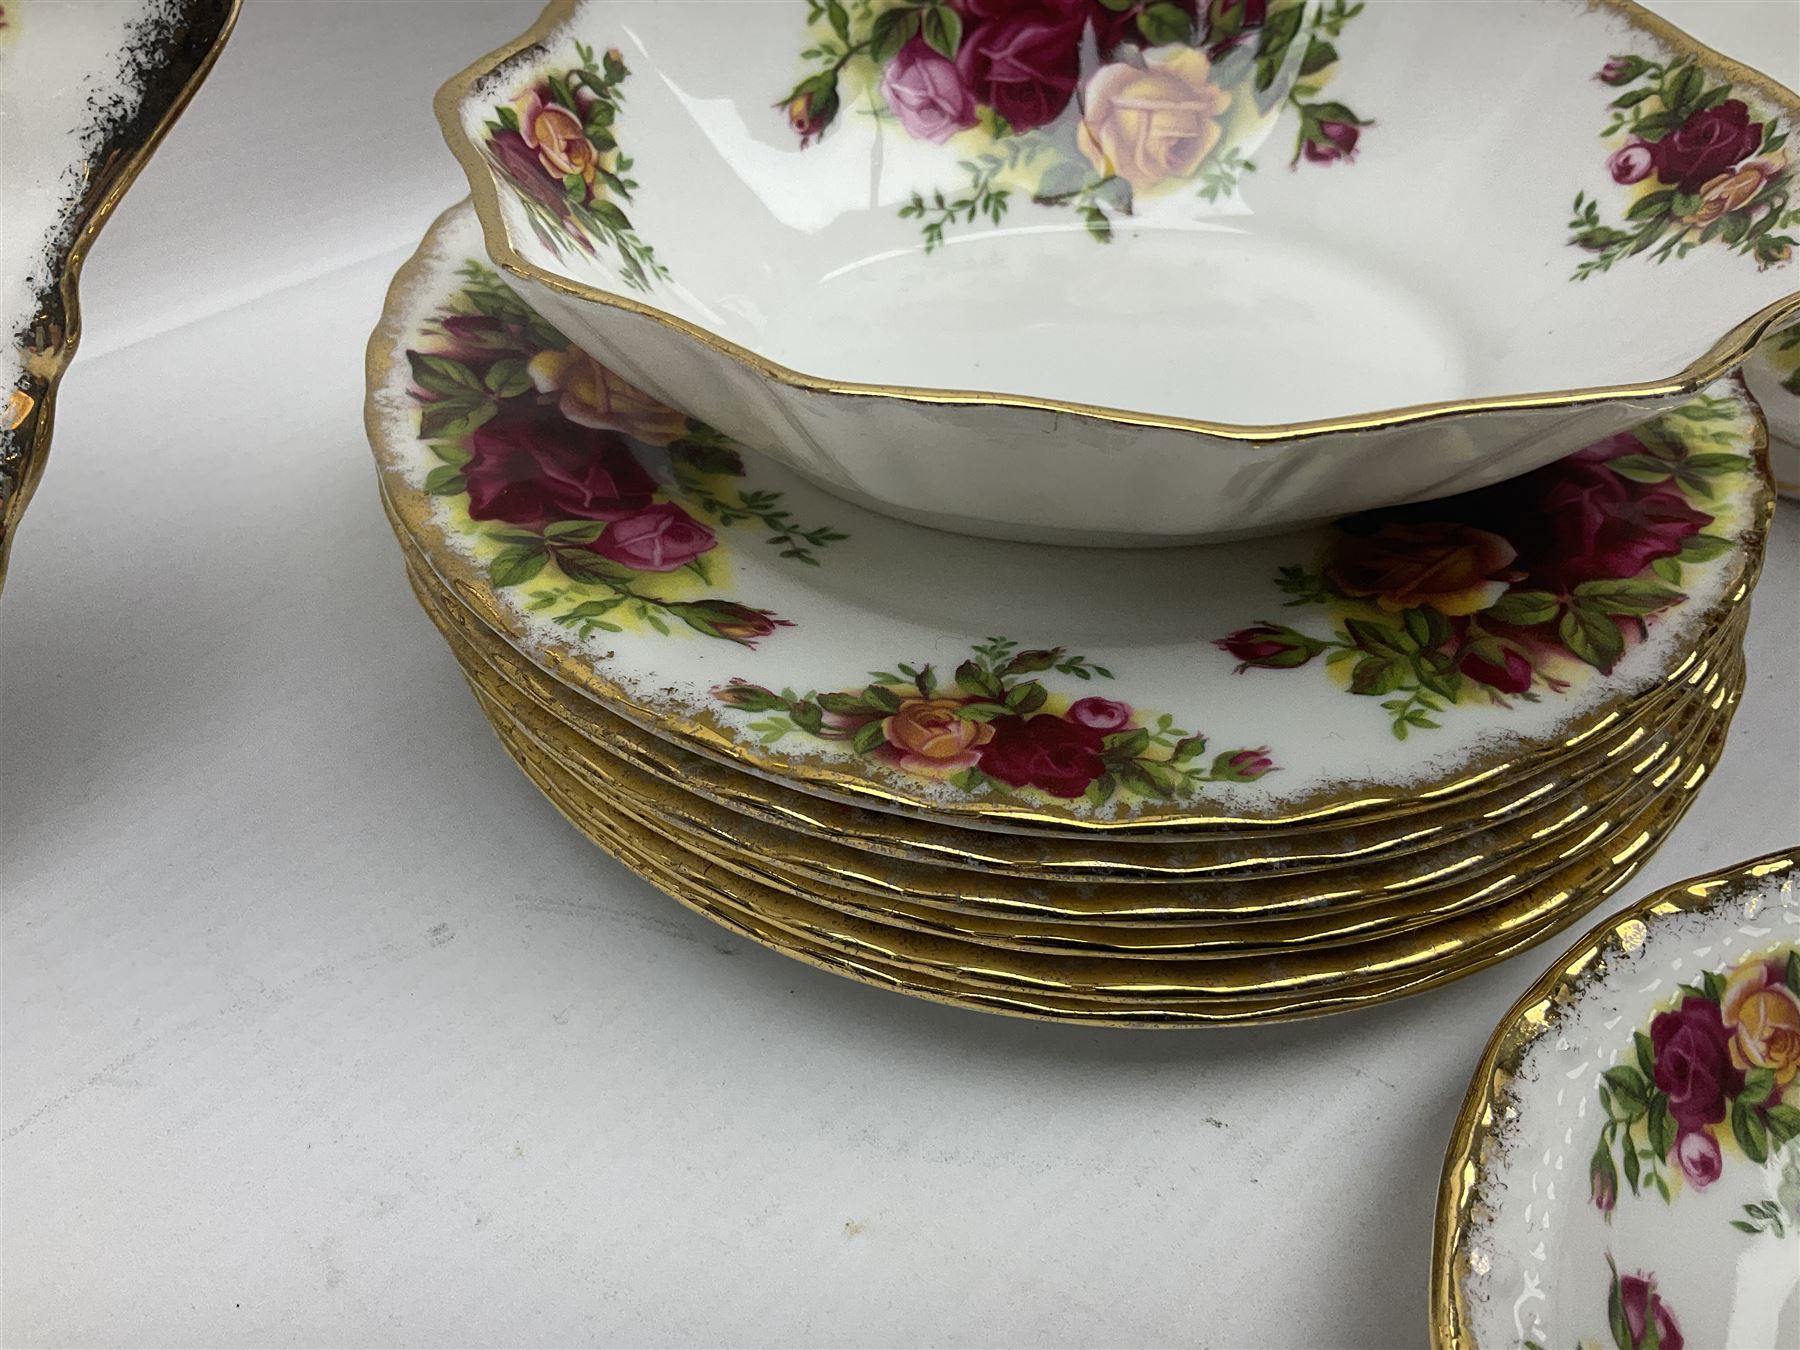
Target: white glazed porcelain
pixel 1626 1172
pixel 1773 375
pixel 1476 238
pixel 87 89
pixel 715 598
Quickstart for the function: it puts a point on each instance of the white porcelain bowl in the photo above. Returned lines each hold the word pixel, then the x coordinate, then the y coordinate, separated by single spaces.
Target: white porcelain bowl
pixel 1005 265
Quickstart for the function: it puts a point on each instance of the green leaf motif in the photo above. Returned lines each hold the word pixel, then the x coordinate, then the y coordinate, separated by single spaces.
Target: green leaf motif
pixel 1629 1089
pixel 869 737
pixel 942 29
pixel 1592 636
pixel 1631 596
pixel 1376 675
pixel 1524 609
pixel 445 481
pixel 1749 1131
pixel 515 566
pixel 1163 23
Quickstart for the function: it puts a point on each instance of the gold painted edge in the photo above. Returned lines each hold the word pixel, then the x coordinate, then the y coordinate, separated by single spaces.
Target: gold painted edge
pixel 1525 1021
pixel 704 731
pixel 44 369
pixel 985 851
pixel 1724 356
pixel 984 988
pixel 1613 789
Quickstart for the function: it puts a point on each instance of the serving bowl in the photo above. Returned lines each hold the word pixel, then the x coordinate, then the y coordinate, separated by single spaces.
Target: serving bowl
pixel 1123 272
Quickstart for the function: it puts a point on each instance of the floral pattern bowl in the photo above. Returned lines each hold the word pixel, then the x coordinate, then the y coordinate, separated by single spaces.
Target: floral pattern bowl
pixel 1136 271
pixel 1626 1168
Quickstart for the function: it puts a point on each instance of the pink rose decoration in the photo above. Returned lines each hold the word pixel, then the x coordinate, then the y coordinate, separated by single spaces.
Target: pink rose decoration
pixel 927 93
pixel 1631 163
pixel 1102 714
pixel 658 538
pixel 1698 1153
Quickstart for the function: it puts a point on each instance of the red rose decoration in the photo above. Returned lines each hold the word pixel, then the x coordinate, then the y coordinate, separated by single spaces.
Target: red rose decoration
pixel 1102 714
pixel 1709 143
pixel 1641 1305
pixel 658 538
pixel 1509 675
pixel 1692 1051
pixel 1024 62
pixel 531 469
pixel 520 163
pixel 1060 757
pixel 1588 522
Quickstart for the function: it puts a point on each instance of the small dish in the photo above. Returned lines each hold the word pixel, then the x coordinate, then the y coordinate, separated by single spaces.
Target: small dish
pixel 1626 1167
pixel 87 91
pixel 1422 654
pixel 1084 272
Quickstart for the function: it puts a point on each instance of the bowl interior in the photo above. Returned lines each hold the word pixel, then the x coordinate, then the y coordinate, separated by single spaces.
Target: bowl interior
pixel 1236 212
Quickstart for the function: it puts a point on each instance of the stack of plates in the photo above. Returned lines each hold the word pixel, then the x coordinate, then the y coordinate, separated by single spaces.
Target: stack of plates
pixel 1222 784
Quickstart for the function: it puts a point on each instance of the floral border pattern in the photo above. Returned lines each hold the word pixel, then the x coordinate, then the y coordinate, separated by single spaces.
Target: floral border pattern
pixel 556 146
pixel 992 725
pixel 558 472
pixel 1715 1069
pixel 1699 165
pixel 1179 90
pixel 1517 590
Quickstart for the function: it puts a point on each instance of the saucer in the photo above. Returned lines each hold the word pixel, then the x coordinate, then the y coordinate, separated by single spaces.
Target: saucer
pixel 1347 674
pixel 1626 1168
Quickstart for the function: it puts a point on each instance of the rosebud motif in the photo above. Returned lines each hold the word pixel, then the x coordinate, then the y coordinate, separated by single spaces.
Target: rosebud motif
pixel 741 624
pixel 1618 70
pixel 749 697
pixel 1269 646
pixel 1603 1182
pixel 1243 766
pixel 1332 141
pixel 811 108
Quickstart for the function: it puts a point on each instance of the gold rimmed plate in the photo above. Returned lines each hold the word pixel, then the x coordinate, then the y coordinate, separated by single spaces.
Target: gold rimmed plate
pixel 974 862
pixel 1626 1165
pixel 1354 673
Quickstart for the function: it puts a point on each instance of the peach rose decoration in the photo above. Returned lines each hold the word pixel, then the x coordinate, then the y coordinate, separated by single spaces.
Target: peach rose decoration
pixel 1763 1017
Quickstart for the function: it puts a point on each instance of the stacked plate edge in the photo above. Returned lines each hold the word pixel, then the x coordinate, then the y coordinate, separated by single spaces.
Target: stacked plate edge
pixel 1375 756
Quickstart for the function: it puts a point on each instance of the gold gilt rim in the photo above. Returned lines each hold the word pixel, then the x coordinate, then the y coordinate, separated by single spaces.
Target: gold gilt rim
pixel 1459 1191
pixel 35 399
pixel 706 733
pixel 784 861
pixel 1720 359
pixel 1104 977
pixel 1029 858
pixel 1376 914
pixel 1378 911
pixel 991 982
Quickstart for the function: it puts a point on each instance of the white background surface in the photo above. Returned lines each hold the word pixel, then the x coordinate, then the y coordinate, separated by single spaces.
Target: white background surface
pixel 322 1028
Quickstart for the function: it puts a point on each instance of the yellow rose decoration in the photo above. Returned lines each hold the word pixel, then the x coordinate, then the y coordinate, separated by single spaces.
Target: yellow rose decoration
pixel 1763 1017
pixel 1151 123
pixel 592 396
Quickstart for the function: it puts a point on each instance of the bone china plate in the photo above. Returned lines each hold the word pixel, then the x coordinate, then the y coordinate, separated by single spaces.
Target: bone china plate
pixel 1089 271
pixel 1350 673
pixel 87 90
pixel 1626 1169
